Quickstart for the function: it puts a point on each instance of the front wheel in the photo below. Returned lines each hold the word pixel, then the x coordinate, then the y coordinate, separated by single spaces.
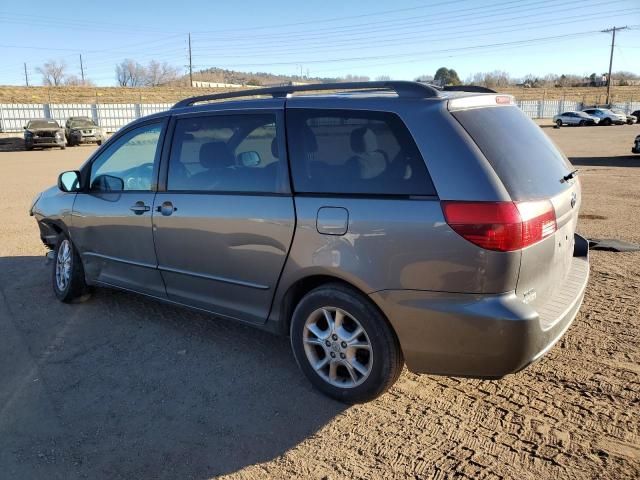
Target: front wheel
pixel 582 123
pixel 68 274
pixel 344 345
pixel 606 122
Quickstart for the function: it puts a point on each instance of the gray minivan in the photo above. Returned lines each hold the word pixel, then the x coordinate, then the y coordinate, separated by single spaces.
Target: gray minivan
pixel 376 223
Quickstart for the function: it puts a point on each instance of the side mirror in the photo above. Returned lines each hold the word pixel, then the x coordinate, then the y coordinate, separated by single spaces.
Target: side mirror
pixel 249 159
pixel 107 183
pixel 69 181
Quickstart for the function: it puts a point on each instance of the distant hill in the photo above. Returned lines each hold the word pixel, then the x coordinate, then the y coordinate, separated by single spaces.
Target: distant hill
pixel 220 75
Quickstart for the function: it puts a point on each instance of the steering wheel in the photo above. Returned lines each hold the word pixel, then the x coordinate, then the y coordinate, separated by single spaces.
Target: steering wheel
pixel 139 178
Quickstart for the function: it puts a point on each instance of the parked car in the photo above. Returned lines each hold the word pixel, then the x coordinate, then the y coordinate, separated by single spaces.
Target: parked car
pixel 630 119
pixel 575 118
pixel 350 227
pixel 606 116
pixel 43 132
pixel 636 145
pixel 80 130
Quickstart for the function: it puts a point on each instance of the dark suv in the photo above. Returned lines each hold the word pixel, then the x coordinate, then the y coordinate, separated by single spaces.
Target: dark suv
pixel 377 224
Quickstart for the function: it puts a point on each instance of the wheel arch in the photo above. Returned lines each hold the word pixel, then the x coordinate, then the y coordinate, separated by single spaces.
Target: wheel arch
pixel 283 307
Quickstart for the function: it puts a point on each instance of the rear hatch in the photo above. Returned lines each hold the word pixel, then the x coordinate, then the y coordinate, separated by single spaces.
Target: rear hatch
pixel 536 176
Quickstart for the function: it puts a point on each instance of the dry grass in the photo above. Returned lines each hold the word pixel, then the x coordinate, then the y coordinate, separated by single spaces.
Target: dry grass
pixel 13 94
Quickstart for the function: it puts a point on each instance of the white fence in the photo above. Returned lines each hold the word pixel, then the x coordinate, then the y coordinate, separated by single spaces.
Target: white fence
pixel 14 116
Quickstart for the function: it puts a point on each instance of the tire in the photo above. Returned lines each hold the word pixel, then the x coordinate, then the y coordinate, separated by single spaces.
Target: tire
pixel 28 148
pixel 606 122
pixel 62 147
pixel 559 123
pixel 366 364
pixel 99 142
pixel 582 123
pixel 69 286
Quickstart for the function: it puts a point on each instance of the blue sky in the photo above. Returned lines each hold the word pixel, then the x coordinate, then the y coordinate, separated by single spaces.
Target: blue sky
pixel 402 39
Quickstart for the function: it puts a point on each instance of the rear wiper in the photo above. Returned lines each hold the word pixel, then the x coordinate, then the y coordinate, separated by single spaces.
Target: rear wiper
pixel 569 176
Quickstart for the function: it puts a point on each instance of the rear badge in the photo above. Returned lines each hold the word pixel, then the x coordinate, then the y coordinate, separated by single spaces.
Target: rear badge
pixel 574 197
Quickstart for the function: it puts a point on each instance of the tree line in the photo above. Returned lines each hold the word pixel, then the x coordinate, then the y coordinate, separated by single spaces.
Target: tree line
pixel 131 73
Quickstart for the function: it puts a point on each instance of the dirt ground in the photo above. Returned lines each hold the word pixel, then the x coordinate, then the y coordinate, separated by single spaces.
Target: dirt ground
pixel 121 387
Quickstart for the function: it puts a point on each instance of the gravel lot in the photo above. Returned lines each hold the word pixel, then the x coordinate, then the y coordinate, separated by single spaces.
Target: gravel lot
pixel 121 387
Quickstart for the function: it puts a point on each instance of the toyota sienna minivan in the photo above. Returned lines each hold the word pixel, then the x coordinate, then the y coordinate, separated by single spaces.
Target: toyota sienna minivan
pixel 375 224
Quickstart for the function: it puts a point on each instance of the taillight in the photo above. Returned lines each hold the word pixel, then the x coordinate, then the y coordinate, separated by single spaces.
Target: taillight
pixel 501 226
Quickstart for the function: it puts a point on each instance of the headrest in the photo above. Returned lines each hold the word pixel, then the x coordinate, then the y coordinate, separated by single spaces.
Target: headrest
pixel 363 140
pixel 309 139
pixel 215 155
pixel 274 148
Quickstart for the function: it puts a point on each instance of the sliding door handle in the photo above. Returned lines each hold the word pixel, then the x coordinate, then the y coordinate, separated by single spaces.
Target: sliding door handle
pixel 166 208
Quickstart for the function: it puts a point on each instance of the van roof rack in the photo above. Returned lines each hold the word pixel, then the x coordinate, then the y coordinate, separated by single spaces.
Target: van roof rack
pixel 403 88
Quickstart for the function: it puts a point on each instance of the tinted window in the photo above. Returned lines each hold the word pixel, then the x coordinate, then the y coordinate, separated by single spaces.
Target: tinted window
pixel 354 152
pixel 527 162
pixel 130 158
pixel 226 153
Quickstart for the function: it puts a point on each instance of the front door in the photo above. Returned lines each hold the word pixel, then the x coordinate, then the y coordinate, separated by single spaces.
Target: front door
pixel 111 224
pixel 224 222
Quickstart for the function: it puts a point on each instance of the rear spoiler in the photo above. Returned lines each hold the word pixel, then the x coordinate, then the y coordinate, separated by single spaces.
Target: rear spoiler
pixel 479 101
pixel 467 88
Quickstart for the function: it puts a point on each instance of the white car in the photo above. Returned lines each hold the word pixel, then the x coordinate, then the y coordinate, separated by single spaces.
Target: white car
pixel 606 116
pixel 631 119
pixel 575 118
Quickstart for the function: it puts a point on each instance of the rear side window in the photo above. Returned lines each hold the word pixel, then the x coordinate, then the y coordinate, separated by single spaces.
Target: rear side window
pixel 526 160
pixel 226 153
pixel 354 152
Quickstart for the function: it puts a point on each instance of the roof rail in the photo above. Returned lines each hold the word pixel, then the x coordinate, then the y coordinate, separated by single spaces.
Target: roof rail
pixel 403 88
pixel 467 88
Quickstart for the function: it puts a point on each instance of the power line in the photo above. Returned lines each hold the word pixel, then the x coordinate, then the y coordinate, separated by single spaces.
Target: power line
pixel 424 52
pixel 411 39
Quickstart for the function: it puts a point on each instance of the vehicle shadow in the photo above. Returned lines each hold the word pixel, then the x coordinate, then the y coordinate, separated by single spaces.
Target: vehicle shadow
pixel 11 144
pixel 619 161
pixel 124 387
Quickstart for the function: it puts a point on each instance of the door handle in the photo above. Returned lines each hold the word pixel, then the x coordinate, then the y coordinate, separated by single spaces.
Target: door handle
pixel 139 208
pixel 166 208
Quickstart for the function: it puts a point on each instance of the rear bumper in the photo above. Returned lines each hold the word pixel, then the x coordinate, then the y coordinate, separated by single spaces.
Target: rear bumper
pixel 484 336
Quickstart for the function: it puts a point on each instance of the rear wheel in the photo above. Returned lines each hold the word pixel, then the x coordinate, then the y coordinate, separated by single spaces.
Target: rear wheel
pixel 68 274
pixel 582 123
pixel 344 345
pixel 559 123
pixel 606 122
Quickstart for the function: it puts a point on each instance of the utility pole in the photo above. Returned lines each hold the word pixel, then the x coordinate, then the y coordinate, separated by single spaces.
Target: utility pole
pixel 190 64
pixel 81 69
pixel 613 44
pixel 26 77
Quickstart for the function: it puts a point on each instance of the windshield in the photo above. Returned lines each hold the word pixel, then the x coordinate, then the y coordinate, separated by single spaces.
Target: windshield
pixel 81 122
pixel 43 124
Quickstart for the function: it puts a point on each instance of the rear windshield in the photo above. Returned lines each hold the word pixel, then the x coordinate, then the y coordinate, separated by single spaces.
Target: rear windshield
pixel 43 124
pixel 528 163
